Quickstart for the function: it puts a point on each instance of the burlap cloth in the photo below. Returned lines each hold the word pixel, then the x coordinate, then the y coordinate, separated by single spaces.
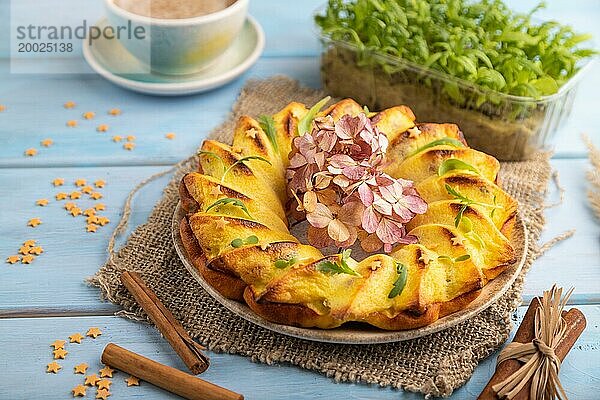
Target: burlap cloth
pixel 434 365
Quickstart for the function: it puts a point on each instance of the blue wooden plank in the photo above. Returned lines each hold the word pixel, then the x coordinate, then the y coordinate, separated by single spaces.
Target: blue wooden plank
pixel 579 374
pixel 55 281
pixel 564 264
pixel 40 114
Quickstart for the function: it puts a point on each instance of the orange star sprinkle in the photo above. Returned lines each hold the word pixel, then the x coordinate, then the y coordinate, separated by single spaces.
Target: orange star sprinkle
pixel 37 250
pixel 58 344
pixel 70 205
pixel 104 384
pixel 28 259
pixel 92 219
pixel 114 111
pixel 53 367
pixel 75 195
pixel 91 380
pixel 71 123
pixel 58 182
pixel 129 146
pixel 96 195
pixel 117 138
pixel 414 132
pixel 103 220
pixel 33 222
pixel 95 332
pixel 61 196
pixel 31 152
pixel 29 243
pixel 79 391
pixel 47 142
pixel 60 353
pixel 99 183
pixel 251 133
pixel 131 138
pixel 88 114
pixel 170 136
pixel 106 372
pixel 100 207
pixel 87 189
pixel 221 223
pixel 91 227
pixel 89 212
pixel 13 259
pixel 80 182
pixel 102 394
pixel 2 107
pixel 75 211
pixel 133 381
pixel 102 128
pixel 41 202
pixel 457 241
pixel 69 104
pixel 237 149
pixel 25 249
pixel 81 368
pixel 76 338
pixel 216 191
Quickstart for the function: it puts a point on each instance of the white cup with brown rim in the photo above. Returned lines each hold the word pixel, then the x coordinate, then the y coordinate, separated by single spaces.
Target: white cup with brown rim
pixel 183 37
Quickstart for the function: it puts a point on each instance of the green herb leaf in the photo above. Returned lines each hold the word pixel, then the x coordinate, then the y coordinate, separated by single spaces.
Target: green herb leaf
pixel 342 267
pixel 267 124
pixel 464 257
pixel 452 164
pixel 249 158
pixel 237 243
pixel 478 41
pixel 493 209
pixel 465 202
pixel 229 201
pixel 304 125
pixel 281 264
pixel 466 225
pixel 400 282
pixel 242 161
pixel 459 216
pixel 447 141
pixel 251 240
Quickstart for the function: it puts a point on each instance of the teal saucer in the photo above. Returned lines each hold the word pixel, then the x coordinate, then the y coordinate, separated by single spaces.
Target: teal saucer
pixel 113 62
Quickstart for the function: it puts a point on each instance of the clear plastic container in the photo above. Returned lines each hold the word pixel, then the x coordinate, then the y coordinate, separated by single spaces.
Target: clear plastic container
pixel 506 126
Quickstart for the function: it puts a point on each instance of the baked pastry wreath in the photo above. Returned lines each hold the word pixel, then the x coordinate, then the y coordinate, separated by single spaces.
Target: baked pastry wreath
pixel 236 230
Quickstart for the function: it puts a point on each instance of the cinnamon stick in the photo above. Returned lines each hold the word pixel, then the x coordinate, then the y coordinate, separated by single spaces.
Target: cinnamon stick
pixel 189 351
pixel 575 321
pixel 165 377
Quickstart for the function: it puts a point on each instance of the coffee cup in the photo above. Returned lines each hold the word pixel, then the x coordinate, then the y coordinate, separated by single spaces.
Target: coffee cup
pixel 178 46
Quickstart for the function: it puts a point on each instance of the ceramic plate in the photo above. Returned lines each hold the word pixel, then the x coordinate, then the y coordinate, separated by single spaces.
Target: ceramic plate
pixel 108 57
pixel 359 333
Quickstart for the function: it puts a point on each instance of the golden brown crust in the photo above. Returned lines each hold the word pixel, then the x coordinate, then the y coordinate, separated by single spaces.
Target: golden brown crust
pixel 188 203
pixel 458 303
pixel 228 285
pixel 288 314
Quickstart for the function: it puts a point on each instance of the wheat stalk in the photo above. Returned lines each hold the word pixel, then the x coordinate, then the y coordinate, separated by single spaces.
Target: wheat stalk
pixel 593 175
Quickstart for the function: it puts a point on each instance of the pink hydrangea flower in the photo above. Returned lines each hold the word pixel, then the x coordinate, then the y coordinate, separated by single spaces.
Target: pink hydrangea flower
pixel 336 173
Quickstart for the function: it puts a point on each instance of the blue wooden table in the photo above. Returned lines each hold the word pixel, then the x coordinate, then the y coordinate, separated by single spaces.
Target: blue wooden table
pixel 49 300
